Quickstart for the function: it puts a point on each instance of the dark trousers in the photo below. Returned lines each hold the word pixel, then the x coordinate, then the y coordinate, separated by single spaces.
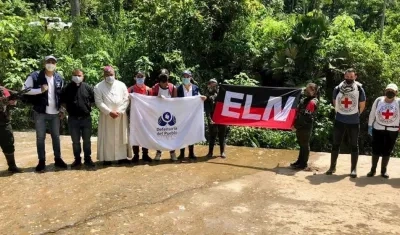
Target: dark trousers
pixel 40 126
pixel 191 151
pixel 215 130
pixel 339 130
pixel 383 142
pixel 303 139
pixel 135 149
pixel 81 127
pixel 7 139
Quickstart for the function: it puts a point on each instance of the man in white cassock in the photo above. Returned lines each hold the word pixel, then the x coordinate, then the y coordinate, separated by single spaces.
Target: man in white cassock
pixel 112 98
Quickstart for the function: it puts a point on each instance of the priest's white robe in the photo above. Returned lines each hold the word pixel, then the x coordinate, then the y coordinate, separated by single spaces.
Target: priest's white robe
pixel 112 141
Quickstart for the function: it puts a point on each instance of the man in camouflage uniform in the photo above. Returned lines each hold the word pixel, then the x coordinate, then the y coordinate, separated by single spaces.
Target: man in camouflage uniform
pixel 214 129
pixel 7 136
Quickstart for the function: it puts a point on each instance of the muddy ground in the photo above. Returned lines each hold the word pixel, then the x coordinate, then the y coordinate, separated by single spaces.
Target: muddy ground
pixel 251 192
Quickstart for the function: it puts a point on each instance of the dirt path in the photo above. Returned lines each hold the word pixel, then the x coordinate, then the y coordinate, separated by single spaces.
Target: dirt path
pixel 251 192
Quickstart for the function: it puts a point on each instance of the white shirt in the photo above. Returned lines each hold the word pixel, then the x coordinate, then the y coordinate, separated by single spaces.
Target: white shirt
pixel 164 92
pixel 189 92
pixel 51 108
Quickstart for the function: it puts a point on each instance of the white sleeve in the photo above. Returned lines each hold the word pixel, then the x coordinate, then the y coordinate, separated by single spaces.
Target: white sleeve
pixel 372 113
pixel 29 83
pixel 98 98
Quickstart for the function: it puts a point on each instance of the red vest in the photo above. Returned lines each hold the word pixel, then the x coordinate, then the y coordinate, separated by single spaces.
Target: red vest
pixel 144 90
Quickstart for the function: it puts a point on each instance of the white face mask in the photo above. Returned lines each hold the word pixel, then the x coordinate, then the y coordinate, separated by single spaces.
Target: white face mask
pixel 77 79
pixel 50 67
pixel 110 79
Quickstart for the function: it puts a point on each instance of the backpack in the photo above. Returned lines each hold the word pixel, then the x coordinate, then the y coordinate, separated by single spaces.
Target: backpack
pixel 156 88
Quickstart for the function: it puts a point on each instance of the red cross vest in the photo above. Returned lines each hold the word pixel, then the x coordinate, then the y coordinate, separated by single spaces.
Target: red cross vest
pixel 347 103
pixel 387 114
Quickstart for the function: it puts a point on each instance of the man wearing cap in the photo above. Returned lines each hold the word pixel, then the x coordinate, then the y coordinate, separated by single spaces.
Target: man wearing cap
pixel 383 126
pixel 112 98
pixel 349 102
pixel 214 129
pixel 140 88
pixel 78 97
pixel 45 96
pixel 187 89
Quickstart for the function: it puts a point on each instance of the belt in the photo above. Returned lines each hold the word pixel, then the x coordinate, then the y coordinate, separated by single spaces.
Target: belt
pixel 80 117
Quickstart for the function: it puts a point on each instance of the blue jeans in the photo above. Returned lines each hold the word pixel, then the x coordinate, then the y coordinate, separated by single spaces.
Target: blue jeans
pixel 40 125
pixel 81 127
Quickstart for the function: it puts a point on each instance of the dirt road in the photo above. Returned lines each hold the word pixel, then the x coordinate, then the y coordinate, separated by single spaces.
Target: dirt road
pixel 251 192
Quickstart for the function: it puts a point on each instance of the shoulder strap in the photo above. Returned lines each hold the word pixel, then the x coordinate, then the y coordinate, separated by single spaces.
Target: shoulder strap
pixel 171 88
pixel 155 89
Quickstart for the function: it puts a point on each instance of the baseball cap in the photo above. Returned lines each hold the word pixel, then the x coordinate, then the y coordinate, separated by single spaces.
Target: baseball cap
pixel 392 86
pixel 212 80
pixel 187 72
pixel 49 57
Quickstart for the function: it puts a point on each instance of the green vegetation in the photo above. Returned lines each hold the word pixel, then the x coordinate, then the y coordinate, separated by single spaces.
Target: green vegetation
pixel 249 42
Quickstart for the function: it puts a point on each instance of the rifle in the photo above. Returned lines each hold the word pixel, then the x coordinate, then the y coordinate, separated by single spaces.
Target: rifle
pixel 14 95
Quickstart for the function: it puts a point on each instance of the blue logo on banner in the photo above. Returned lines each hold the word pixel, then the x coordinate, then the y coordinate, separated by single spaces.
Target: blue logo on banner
pixel 167 118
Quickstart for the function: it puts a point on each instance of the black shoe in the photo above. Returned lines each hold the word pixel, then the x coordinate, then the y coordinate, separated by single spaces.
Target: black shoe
pixel 209 155
pixel 385 175
pixel 181 157
pixel 192 157
pixel 300 167
pixel 294 164
pixel 146 158
pixel 123 161
pixel 77 163
pixel 89 163
pixel 135 158
pixel 41 167
pixel 58 162
pixel 331 171
pixel 107 163
pixel 371 174
pixel 15 169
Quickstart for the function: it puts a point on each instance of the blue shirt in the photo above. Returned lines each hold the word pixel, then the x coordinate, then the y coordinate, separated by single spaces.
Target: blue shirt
pixel 353 118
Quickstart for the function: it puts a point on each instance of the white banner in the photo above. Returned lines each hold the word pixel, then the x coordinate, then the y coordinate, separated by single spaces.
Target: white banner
pixel 166 123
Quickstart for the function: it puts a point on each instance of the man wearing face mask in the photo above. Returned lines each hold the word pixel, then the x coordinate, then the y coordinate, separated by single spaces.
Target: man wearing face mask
pixel 112 98
pixel 188 89
pixel 78 98
pixel 349 101
pixel 214 129
pixel 140 88
pixel 383 126
pixel 167 90
pixel 45 96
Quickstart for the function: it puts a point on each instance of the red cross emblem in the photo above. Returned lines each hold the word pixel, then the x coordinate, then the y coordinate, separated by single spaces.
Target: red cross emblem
pixel 346 102
pixel 387 114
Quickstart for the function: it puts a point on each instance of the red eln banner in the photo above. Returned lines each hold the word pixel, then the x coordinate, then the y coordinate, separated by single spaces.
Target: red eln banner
pixel 266 107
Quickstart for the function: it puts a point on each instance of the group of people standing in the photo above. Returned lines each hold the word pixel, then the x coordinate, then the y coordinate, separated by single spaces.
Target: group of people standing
pixel 349 100
pixel 52 100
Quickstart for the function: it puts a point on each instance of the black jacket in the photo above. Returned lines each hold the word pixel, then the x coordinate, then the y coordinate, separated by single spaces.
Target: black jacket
pixel 78 99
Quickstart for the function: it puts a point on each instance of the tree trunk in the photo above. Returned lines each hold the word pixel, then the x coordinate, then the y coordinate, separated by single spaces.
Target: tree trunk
pixel 76 12
pixel 383 19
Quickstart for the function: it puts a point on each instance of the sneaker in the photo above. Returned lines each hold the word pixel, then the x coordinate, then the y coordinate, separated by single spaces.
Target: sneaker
pixel 89 163
pixel 157 157
pixel 209 155
pixel 353 174
pixel 41 167
pixel 58 162
pixel 173 157
pixel 76 163
pixel 223 155
pixel 146 158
